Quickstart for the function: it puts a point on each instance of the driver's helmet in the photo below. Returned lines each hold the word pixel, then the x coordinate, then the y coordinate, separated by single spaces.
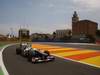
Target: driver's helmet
pixel 35 49
pixel 29 45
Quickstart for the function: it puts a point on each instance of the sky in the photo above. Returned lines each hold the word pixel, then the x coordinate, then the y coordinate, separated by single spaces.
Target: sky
pixel 45 16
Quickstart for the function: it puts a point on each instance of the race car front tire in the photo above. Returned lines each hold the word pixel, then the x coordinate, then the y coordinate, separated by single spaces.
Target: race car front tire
pixel 47 52
pixel 29 59
pixel 33 60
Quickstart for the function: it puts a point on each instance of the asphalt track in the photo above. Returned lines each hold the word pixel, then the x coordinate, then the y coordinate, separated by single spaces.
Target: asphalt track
pixel 17 65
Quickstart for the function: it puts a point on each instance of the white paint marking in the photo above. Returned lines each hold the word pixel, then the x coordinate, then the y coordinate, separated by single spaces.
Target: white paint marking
pixel 1 59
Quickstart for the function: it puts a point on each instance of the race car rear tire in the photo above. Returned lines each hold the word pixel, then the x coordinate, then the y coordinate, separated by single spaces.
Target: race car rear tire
pixel 18 51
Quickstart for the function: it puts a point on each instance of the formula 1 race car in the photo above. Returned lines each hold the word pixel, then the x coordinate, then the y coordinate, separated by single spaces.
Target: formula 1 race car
pixel 34 55
pixel 37 56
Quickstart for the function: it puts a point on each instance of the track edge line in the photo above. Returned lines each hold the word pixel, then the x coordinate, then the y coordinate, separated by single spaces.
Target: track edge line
pixel 1 59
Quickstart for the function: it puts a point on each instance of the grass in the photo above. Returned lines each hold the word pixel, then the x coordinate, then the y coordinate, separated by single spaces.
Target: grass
pixel 3 43
pixel 1 72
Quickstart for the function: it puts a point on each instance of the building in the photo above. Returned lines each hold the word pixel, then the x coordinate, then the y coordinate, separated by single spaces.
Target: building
pixel 41 36
pixel 24 34
pixel 62 33
pixel 3 37
pixel 83 27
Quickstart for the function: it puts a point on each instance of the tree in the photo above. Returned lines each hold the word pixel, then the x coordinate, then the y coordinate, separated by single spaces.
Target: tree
pixel 91 38
pixel 69 33
pixel 98 33
pixel 54 35
pixel 46 37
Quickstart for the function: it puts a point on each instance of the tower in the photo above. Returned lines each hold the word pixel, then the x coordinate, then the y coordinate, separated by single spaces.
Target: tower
pixel 75 18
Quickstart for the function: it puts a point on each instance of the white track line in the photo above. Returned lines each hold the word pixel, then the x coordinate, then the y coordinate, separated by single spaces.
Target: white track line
pixel 1 59
pixel 91 44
